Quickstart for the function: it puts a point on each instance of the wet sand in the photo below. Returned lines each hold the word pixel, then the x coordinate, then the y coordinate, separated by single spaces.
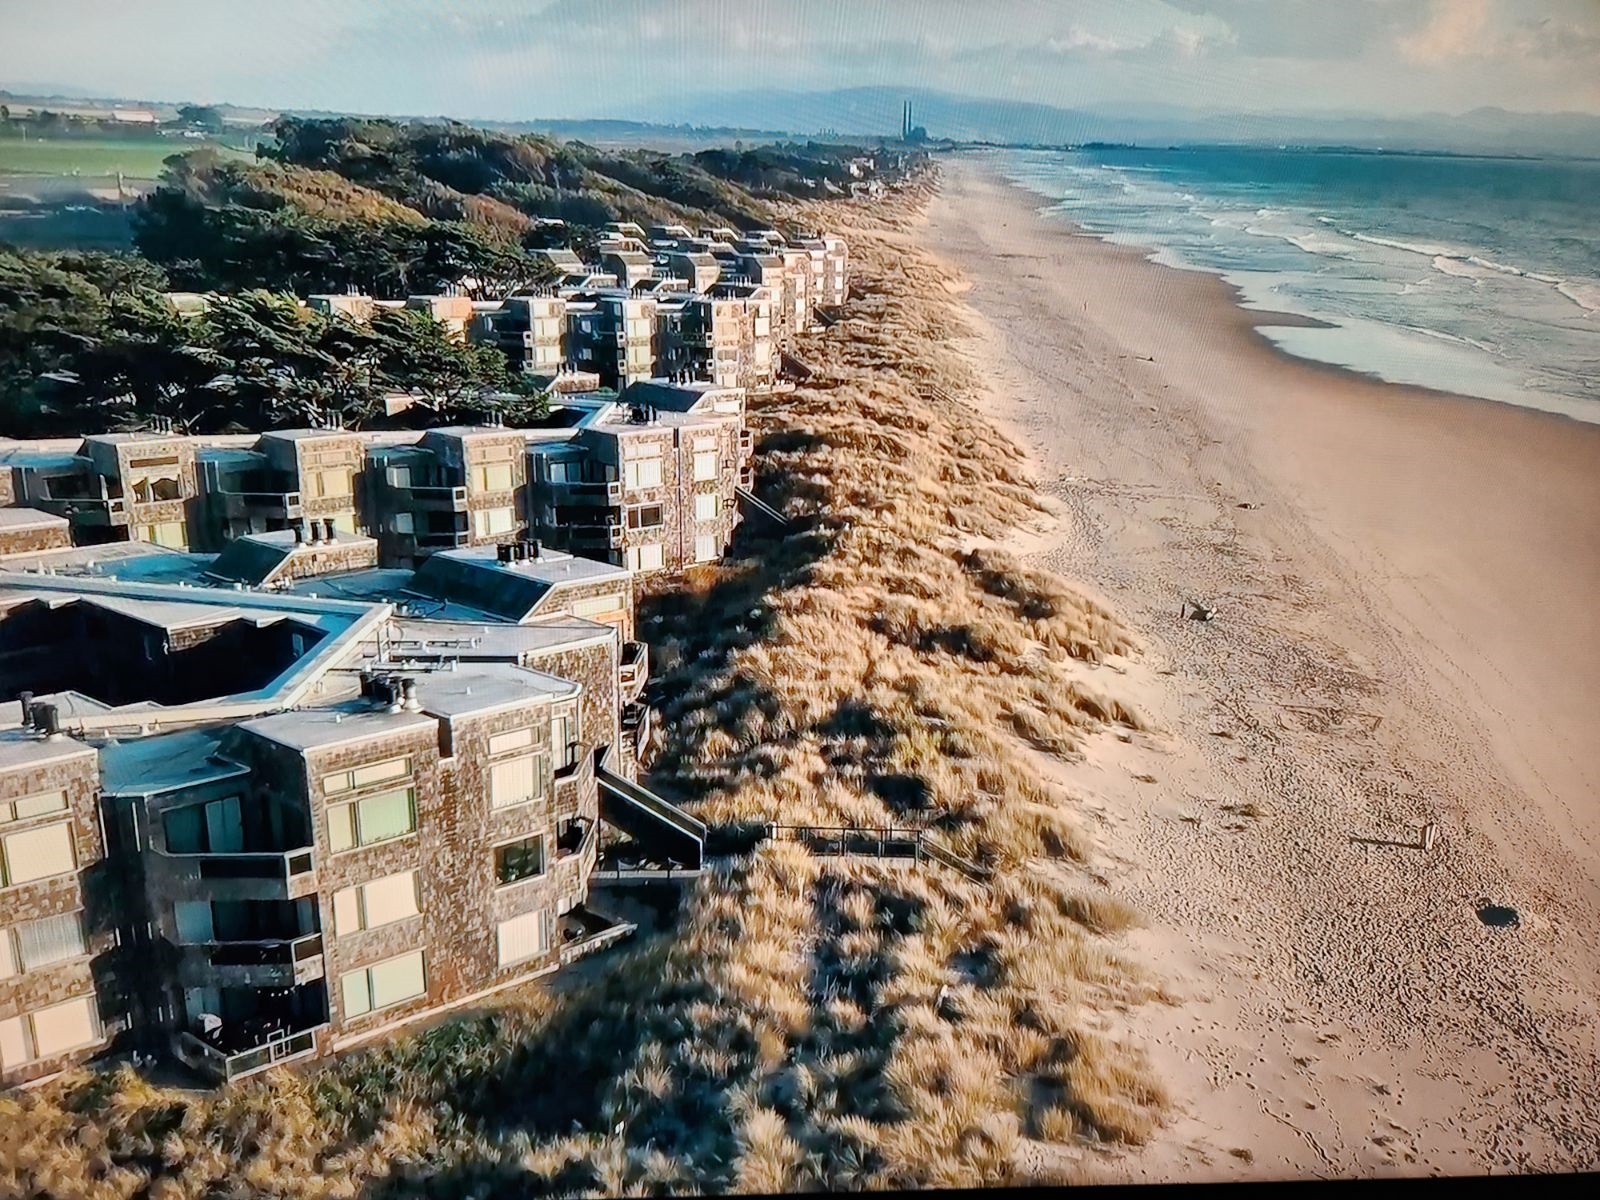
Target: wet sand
pixel 1406 588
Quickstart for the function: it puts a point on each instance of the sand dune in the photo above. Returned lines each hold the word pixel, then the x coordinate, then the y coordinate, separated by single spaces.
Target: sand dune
pixel 1406 632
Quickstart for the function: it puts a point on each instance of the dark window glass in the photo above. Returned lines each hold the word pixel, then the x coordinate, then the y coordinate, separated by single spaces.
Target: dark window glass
pixel 519 860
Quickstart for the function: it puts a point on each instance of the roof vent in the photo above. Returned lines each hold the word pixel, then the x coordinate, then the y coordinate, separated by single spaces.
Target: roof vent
pixel 408 694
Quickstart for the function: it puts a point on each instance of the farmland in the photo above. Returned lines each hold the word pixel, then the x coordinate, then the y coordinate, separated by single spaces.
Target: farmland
pixel 135 158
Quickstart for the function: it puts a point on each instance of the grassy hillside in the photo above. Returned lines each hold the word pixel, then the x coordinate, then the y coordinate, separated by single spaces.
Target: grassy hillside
pixel 811 1023
pixel 136 158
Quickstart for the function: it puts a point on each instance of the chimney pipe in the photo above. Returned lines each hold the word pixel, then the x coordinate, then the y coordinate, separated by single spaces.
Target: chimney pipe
pixel 25 699
pixel 328 534
pixel 49 722
pixel 502 553
pixel 299 535
pixel 408 694
pixel 392 688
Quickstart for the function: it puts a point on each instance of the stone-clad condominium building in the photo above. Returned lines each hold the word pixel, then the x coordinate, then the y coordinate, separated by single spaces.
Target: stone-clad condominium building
pixel 649 480
pixel 240 826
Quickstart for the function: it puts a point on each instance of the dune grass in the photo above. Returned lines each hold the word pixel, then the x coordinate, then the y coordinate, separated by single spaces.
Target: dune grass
pixel 811 1023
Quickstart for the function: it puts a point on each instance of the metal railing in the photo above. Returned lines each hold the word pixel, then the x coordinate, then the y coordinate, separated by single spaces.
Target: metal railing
pixel 282 864
pixel 274 952
pixel 226 1067
pixel 886 841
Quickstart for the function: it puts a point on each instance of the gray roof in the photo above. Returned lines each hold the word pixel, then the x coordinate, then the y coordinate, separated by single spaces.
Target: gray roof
pixel 165 763
pixel 483 687
pixel 307 729
pixel 513 590
pixel 30 518
pixel 21 748
pixel 256 558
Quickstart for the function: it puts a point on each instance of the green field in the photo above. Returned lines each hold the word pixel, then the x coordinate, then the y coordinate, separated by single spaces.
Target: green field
pixel 136 158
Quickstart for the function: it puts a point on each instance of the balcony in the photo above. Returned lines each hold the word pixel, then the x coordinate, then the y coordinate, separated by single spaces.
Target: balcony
pixel 259 875
pixel 433 498
pixel 86 510
pixel 268 964
pixel 283 506
pixel 636 726
pixel 633 669
pixel 448 539
pixel 586 492
pixel 608 535
pixel 224 1067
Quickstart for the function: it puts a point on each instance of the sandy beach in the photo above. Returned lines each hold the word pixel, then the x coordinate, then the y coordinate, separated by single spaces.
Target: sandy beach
pixel 1405 632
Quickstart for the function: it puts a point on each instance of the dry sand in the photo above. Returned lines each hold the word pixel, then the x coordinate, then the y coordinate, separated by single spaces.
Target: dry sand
pixel 1407 630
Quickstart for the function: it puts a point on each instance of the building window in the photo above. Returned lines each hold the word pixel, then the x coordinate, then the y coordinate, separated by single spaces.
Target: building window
pixel 646 516
pixel 216 827
pixel 707 505
pixel 705 465
pixel 705 547
pixel 374 903
pixel 403 522
pixel 514 739
pixel 383 984
pixel 37 854
pixel 36 944
pixel 330 482
pixel 564 736
pixel 46 1032
pixel 518 780
pixel 598 606
pixel 650 557
pixel 168 534
pixel 523 937
pixel 26 807
pixel 375 818
pixel 365 776
pixel 495 477
pixel 522 859
pixel 642 472
pixel 487 522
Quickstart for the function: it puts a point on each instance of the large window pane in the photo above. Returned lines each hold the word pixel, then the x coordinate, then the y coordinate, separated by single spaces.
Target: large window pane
pixel 511 782
pixel 397 980
pixel 386 815
pixel 392 898
pixel 355 994
pixel 40 943
pixel 39 853
pixel 521 938
pixel 63 1027
pixel 519 860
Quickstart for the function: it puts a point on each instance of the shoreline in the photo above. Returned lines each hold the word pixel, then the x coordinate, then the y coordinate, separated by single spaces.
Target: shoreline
pixel 1404 635
pixel 1258 319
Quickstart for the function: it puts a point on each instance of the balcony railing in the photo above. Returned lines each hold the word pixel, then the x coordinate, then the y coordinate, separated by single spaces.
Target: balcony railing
pixel 225 1067
pixel 447 540
pixel 436 496
pixel 633 668
pixel 593 491
pixel 264 953
pixel 276 963
pixel 283 864
pixel 88 510
pixel 272 504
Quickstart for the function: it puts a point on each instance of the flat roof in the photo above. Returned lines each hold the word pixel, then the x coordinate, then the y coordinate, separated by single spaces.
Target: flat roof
pixel 24 748
pixel 483 687
pixel 30 518
pixel 491 641
pixel 165 762
pixel 310 728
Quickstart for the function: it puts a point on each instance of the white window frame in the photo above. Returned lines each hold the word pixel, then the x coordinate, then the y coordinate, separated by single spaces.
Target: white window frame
pixel 365 975
pixel 353 804
pixel 705 465
pixel 8 870
pixel 704 501
pixel 353 900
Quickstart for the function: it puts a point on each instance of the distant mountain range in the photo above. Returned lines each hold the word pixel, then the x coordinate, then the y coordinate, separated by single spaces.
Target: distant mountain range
pixel 876 111
pixel 721 118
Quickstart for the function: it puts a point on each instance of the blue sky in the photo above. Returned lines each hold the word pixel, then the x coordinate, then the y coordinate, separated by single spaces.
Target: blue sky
pixel 637 58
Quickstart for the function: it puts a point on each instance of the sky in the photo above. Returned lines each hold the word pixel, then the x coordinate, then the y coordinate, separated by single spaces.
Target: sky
pixel 638 59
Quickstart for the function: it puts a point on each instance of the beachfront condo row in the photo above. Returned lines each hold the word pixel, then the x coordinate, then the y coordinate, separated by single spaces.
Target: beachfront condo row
pixel 717 306
pixel 242 824
pixel 649 480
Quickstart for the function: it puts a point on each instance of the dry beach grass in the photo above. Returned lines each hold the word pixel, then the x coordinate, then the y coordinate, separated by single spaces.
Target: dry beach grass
pixel 809 1023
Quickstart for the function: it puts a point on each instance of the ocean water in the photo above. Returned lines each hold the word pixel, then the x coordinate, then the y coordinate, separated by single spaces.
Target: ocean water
pixel 1475 275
